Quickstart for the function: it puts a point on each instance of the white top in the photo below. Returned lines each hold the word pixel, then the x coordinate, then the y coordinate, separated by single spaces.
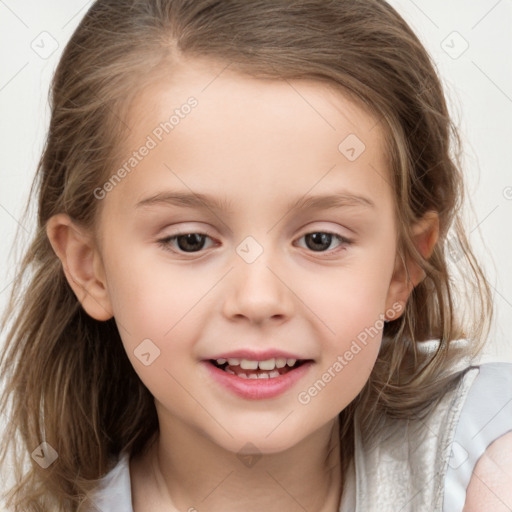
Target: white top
pixel 416 465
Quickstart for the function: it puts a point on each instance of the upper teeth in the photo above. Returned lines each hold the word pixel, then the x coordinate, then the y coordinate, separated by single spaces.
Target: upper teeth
pixel 269 364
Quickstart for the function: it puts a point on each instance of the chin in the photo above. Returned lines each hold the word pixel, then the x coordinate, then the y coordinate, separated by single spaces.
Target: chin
pixel 258 443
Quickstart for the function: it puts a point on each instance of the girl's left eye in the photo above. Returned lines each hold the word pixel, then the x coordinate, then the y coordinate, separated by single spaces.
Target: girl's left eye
pixel 194 242
pixel 319 239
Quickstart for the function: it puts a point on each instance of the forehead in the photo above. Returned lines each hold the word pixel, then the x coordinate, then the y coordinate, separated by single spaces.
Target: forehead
pixel 217 85
pixel 259 131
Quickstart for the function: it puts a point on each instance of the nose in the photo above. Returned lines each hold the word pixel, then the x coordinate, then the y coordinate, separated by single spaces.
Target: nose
pixel 257 292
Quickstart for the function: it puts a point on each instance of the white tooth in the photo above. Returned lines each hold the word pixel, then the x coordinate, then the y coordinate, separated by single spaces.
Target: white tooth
pixel 281 362
pixel 234 361
pixel 291 362
pixel 248 365
pixel 253 376
pixel 269 364
pixel 274 374
pixel 263 376
pixel 228 370
pixel 221 361
pixel 242 375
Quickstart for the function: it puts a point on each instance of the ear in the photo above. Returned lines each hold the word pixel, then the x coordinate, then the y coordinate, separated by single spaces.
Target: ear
pixel 408 274
pixel 82 265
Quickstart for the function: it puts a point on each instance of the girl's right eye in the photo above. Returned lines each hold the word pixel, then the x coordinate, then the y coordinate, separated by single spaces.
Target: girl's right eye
pixel 187 242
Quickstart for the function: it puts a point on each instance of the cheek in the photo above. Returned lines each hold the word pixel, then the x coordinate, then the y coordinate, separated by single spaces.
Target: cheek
pixel 347 301
pixel 342 373
pixel 358 325
pixel 159 310
pixel 352 321
pixel 149 296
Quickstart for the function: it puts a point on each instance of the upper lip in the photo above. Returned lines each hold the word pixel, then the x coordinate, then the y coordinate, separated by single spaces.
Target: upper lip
pixel 253 355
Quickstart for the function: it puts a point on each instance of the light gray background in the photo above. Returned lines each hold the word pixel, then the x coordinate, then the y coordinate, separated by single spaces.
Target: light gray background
pixel 478 82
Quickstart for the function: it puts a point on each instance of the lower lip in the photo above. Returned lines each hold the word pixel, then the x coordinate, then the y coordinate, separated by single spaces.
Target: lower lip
pixel 258 389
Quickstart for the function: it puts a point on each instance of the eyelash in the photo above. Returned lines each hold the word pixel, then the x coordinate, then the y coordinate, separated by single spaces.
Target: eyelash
pixel 166 242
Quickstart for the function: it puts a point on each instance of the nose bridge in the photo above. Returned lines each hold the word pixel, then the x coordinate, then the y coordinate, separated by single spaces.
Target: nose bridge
pixel 256 290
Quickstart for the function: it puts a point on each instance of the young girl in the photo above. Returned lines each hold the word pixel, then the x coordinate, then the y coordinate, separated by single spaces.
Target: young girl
pixel 312 351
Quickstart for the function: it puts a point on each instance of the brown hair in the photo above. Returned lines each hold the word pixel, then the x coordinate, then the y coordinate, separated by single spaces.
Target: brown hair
pixel 69 379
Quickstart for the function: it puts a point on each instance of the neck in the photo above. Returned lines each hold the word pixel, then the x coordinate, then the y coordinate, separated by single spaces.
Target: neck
pixel 191 472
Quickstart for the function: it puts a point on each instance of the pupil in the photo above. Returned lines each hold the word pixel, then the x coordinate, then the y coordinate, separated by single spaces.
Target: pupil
pixel 192 239
pixel 319 239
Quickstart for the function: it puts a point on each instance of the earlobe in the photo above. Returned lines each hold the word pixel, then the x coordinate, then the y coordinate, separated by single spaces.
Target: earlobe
pixel 81 264
pixel 408 274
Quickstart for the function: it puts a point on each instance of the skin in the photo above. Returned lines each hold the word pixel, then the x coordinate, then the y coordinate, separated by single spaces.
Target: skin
pixel 259 144
pixel 489 487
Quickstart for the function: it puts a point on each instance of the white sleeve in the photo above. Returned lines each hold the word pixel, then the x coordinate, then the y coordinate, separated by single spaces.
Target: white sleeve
pixel 486 415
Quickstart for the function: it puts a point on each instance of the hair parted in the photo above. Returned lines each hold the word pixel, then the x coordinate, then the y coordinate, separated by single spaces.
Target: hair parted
pixel 67 375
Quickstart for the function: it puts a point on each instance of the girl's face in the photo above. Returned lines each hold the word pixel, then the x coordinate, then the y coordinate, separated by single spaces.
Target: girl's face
pixel 272 271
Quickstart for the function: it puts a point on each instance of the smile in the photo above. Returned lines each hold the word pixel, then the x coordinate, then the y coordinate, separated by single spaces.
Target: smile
pixel 247 369
pixel 256 383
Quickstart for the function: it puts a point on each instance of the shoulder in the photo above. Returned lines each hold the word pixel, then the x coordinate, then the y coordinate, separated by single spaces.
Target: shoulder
pixel 480 466
pixel 490 484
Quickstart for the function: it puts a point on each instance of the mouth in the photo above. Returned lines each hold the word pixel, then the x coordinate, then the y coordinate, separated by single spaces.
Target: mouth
pixel 269 369
pixel 259 378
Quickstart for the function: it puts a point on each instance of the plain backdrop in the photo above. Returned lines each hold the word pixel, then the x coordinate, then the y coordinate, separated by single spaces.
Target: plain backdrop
pixel 471 43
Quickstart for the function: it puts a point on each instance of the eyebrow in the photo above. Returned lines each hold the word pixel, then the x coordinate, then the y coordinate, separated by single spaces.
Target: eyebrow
pixel 188 200
pixel 206 201
pixel 328 201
